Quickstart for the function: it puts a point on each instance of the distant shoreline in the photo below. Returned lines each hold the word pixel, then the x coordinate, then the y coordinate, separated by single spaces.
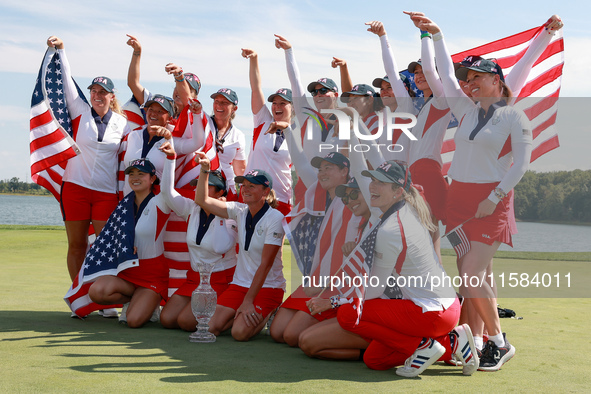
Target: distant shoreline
pixel 27 194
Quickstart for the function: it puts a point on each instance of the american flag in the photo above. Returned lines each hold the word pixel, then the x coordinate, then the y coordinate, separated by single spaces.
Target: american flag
pixel 303 241
pixel 541 89
pixel 175 243
pixel 113 247
pixel 458 240
pixel 51 141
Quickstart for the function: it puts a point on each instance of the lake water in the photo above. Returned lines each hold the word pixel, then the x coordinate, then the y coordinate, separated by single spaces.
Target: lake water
pixel 539 237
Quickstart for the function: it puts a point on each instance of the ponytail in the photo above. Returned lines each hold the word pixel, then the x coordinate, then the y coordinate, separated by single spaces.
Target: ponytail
pixel 272 199
pixel 115 107
pixel 414 198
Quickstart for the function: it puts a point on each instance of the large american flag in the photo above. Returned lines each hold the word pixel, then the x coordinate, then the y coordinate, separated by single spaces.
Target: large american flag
pixel 113 247
pixel 541 89
pixel 51 133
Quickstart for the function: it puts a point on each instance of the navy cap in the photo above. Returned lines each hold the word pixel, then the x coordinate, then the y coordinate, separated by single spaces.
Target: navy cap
pixel 480 65
pixel 333 157
pixel 341 190
pixel 284 93
pixel 105 82
pixel 144 165
pixel 377 83
pixel 326 82
pixel 193 81
pixel 163 101
pixel 391 171
pixel 227 93
pixel 360 90
pixel 412 65
pixel 258 177
pixel 216 178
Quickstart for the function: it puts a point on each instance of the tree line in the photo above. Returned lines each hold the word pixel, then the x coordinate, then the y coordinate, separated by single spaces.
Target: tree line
pixel 560 196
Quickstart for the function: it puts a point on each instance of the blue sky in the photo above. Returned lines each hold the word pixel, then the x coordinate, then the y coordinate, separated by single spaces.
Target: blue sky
pixel 206 38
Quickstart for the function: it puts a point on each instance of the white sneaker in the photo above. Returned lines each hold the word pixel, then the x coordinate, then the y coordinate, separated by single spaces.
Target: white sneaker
pixel 108 313
pixel 465 349
pixel 123 315
pixel 156 315
pixel 422 358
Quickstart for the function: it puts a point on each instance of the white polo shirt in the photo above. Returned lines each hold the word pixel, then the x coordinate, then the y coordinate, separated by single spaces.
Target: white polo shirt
pixel 268 230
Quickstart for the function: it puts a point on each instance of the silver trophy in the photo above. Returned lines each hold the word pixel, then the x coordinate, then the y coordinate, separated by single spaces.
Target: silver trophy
pixel 203 302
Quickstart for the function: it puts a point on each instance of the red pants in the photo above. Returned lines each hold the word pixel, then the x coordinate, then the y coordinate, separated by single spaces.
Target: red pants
pixel 395 329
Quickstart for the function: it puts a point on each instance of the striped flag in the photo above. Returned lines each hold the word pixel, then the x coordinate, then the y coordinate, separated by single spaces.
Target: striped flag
pixel 175 242
pixel 112 250
pixel 51 137
pixel 458 240
pixel 541 88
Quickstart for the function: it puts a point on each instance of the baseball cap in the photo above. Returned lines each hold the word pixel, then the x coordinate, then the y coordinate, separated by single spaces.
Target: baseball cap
pixel 164 102
pixel 326 82
pixel 467 61
pixel 193 81
pixel 333 157
pixel 480 65
pixel 377 83
pixel 105 82
pixel 412 65
pixel 144 165
pixel 227 93
pixel 391 171
pixel 258 177
pixel 341 190
pixel 284 93
pixel 360 90
pixel 216 178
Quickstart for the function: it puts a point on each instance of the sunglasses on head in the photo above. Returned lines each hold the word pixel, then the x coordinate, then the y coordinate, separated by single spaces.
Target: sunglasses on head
pixel 315 92
pixel 354 195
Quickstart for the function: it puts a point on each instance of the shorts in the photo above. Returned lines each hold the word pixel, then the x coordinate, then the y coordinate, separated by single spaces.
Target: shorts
pixel 219 280
pixel 80 203
pixel 427 173
pixel 267 300
pixel 462 203
pixel 299 304
pixel 151 274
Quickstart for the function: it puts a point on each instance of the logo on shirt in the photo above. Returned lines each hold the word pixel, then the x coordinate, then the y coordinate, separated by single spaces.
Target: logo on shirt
pixel 259 231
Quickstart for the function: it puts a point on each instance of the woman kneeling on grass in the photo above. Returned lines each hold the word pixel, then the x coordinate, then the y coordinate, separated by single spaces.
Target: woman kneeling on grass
pixel 414 331
pixel 258 285
pixel 142 284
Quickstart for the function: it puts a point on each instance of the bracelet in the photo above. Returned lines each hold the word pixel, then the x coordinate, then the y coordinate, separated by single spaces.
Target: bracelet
pixel 205 171
pixel 137 53
pixel 180 80
pixel 499 193
pixel 428 35
pixel 334 301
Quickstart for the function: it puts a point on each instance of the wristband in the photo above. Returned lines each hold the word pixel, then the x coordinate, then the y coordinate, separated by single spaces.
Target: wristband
pixel 334 301
pixel 438 36
pixel 180 80
pixel 173 157
pixel 205 171
pixel 428 35
pixel 137 53
pixel 499 193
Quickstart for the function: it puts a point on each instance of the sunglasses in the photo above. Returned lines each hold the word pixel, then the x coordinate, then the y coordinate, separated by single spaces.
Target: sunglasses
pixel 315 92
pixel 354 195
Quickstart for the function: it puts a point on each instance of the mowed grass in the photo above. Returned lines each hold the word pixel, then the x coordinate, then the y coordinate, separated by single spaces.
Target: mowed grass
pixel 43 350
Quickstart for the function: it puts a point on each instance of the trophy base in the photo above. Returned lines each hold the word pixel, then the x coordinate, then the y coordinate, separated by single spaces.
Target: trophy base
pixel 198 337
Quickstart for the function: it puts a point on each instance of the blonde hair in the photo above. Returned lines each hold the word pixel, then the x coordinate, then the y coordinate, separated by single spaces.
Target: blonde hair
pixel 116 107
pixel 506 92
pixel 272 199
pixel 414 198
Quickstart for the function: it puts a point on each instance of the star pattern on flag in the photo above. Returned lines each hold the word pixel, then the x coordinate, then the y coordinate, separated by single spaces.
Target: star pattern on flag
pixel 302 244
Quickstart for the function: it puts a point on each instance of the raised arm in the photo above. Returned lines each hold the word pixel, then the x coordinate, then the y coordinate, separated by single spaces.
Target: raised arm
pixel 133 74
pixel 210 204
pixel 182 86
pixel 377 28
pixel 179 204
pixel 257 99
pixel 304 169
pixel 346 82
pixel 74 102
pixel 518 76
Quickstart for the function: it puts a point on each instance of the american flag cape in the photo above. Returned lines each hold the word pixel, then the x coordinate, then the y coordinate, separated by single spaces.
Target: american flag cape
pixel 175 242
pixel 541 88
pixel 111 253
pixel 52 135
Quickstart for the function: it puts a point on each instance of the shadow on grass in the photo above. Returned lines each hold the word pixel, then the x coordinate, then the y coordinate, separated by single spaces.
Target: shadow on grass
pixel 153 349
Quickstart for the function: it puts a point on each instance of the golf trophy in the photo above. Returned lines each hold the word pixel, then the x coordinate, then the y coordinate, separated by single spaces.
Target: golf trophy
pixel 203 302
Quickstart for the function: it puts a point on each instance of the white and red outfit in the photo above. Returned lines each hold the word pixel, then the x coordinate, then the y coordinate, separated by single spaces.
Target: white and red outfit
pixel 233 147
pixel 321 134
pixel 152 273
pixel 394 328
pixel 482 161
pixel 95 168
pixel 211 241
pixel 265 156
pixel 265 230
